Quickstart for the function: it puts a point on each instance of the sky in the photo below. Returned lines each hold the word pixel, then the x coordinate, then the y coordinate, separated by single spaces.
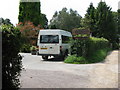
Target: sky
pixel 10 8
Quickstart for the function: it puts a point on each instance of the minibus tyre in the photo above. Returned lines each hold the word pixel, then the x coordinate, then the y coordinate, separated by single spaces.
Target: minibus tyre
pixel 45 57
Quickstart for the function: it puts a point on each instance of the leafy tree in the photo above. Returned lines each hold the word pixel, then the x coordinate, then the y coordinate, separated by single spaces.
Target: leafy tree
pixel 65 19
pixel 29 32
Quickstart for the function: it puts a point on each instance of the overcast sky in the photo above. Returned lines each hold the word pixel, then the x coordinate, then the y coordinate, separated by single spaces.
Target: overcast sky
pixel 10 8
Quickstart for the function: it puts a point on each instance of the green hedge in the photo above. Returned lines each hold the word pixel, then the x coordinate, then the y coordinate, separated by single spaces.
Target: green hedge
pixel 86 47
pixel 94 44
pixel 97 56
pixel 11 60
pixel 25 48
pixel 91 49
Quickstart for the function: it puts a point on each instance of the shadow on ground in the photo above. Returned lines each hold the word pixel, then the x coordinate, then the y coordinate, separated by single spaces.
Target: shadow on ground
pixel 54 60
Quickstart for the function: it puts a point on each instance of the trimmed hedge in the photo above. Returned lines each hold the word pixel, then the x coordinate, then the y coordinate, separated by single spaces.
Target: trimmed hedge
pixel 97 56
pixel 95 44
pixel 91 49
pixel 88 46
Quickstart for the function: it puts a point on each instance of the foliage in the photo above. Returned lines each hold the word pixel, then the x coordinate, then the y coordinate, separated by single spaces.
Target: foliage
pixel 32 48
pixel 86 46
pixel 30 11
pixel 44 21
pixel 28 29
pixel 89 20
pixel 98 55
pixel 5 21
pixel 73 59
pixel 80 35
pixel 66 20
pixel 25 48
pixel 95 44
pixel 102 22
pixel 106 25
pixel 88 50
pixel 118 21
pixel 11 60
pixel 79 47
pixel 29 32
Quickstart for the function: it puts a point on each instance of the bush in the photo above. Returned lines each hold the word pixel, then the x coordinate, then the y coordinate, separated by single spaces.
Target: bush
pixel 89 50
pixel 98 56
pixel 95 57
pixel 33 48
pixel 73 59
pixel 29 31
pixel 11 60
pixel 95 44
pixel 79 47
pixel 87 46
pixel 25 48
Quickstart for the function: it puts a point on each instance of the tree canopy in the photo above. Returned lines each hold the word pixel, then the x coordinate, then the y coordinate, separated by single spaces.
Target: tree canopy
pixel 65 19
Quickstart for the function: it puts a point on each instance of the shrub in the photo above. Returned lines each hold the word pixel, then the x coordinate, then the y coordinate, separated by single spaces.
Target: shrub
pixel 86 47
pixel 75 60
pixel 25 48
pixel 11 60
pixel 33 48
pixel 88 50
pixel 98 56
pixel 79 47
pixel 29 31
pixel 95 57
pixel 95 44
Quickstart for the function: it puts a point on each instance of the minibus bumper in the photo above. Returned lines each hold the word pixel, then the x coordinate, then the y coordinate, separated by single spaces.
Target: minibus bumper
pixel 49 54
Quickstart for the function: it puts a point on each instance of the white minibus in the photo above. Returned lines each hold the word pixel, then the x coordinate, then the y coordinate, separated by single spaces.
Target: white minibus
pixel 54 42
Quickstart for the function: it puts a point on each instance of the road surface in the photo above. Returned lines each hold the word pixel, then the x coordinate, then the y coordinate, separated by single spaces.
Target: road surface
pixel 54 73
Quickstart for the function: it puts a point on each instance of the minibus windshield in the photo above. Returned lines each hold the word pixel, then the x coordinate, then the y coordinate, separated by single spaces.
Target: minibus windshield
pixel 49 39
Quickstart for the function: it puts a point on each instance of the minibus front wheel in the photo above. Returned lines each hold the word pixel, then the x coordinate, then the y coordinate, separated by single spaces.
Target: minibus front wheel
pixel 45 57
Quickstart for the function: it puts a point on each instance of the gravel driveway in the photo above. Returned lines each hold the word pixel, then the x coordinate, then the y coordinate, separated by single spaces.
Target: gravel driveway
pixel 38 73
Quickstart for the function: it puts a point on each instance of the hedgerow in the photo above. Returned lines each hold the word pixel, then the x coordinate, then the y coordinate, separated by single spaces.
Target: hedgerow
pixel 88 50
pixel 11 59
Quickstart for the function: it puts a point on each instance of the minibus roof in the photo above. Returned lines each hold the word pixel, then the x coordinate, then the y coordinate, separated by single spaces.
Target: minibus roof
pixel 55 32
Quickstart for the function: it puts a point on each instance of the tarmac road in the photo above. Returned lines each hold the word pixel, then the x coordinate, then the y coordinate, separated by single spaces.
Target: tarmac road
pixel 54 73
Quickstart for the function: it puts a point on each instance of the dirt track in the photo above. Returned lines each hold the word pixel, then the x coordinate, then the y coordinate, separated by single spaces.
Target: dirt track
pixel 56 74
